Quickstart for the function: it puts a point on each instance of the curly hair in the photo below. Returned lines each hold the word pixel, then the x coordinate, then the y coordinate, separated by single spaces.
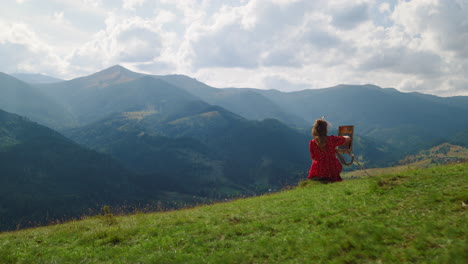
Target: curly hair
pixel 319 132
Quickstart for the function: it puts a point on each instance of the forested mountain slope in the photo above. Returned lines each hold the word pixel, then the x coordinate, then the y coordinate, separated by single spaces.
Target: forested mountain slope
pixel 45 176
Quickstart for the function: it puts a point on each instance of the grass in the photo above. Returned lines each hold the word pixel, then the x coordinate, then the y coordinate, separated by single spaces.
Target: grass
pixel 436 156
pixel 416 216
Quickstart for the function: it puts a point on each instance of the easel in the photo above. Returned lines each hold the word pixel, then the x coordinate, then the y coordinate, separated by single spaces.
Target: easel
pixel 347 149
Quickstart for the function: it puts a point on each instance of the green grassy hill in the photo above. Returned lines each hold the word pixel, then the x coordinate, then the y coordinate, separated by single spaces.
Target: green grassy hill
pixel 439 155
pixel 417 216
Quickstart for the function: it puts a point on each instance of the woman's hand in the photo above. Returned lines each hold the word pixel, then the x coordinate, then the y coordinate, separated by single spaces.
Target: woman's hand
pixel 348 140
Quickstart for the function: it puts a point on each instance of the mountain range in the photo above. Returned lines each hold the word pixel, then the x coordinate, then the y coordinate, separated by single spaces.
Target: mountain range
pixel 23 99
pixel 401 119
pixel 35 78
pixel 141 138
pixel 44 175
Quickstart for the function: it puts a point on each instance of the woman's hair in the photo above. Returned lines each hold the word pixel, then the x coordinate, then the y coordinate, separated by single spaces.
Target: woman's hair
pixel 319 132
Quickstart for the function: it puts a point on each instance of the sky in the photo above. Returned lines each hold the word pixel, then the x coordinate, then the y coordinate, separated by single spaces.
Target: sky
pixel 288 45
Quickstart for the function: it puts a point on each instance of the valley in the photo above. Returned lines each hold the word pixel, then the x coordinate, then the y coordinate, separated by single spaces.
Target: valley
pixel 123 138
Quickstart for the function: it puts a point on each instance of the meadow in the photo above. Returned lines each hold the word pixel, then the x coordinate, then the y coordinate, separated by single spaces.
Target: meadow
pixel 412 216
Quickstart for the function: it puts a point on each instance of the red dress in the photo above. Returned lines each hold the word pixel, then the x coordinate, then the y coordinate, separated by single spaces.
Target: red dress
pixel 325 164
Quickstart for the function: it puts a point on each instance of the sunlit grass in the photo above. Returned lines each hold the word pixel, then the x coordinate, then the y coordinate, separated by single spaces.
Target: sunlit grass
pixel 138 115
pixel 441 154
pixel 416 216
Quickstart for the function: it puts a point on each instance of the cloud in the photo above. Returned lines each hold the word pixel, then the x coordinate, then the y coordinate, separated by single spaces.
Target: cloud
pixel 321 39
pixel 131 4
pixel 384 8
pixel 405 61
pixel 58 17
pixel 286 44
pixel 93 3
pixel 439 86
pixel 230 47
pixel 258 33
pixel 124 40
pixel 291 37
pixel 438 29
pixel 138 45
pixel 22 50
pixel 156 67
pixel 349 17
pixel 13 55
pixel 442 24
pixel 282 56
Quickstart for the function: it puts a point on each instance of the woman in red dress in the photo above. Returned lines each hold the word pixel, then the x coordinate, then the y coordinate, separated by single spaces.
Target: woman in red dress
pixel 325 166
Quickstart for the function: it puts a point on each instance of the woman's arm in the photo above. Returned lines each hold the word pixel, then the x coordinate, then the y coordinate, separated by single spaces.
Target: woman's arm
pixel 347 141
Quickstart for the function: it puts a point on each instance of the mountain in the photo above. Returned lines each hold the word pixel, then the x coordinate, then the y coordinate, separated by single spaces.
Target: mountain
pixel 145 123
pixel 400 119
pixel 249 103
pixel 45 176
pixel 404 120
pixel 35 78
pixel 456 101
pixel 76 87
pixel 160 138
pixel 460 138
pixel 153 127
pixel 113 94
pixel 21 98
pixel 388 117
pixel 202 149
pixel 441 154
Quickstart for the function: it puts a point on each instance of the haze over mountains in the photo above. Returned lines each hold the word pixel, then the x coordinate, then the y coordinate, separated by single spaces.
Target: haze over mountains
pixel 35 78
pixel 23 99
pixel 163 138
pixel 44 175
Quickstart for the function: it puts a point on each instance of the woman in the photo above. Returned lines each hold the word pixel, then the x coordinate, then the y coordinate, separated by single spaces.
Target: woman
pixel 325 166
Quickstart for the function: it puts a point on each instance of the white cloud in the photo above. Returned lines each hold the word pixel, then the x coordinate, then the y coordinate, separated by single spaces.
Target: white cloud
pixel 443 25
pixel 132 4
pixel 403 60
pixel 138 45
pixel 349 17
pixel 410 45
pixel 22 50
pixel 248 36
pixel 441 29
pixel 92 3
pixel 129 41
pixel 384 8
pixel 58 17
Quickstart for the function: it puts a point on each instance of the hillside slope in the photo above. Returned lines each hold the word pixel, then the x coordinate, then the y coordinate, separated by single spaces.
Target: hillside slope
pixel 90 102
pixel 402 122
pixel 249 103
pixel 21 98
pixel 415 216
pixel 442 154
pixel 405 120
pixel 44 176
pixel 202 149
